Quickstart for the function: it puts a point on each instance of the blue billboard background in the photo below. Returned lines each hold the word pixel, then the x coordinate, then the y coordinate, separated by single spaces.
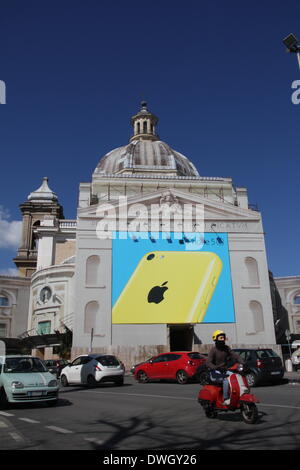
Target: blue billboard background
pixel 127 252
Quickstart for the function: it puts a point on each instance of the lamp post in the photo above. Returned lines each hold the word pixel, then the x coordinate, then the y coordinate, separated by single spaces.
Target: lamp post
pixel 292 45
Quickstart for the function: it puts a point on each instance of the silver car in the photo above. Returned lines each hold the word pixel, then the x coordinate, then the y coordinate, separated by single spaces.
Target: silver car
pixel 93 369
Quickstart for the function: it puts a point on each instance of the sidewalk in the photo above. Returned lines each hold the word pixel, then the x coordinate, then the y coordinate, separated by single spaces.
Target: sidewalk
pixel 292 377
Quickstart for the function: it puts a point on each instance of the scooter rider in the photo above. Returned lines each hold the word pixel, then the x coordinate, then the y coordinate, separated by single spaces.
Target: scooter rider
pixel 219 358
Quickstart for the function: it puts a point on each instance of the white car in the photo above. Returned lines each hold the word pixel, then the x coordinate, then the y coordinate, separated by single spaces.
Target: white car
pixel 92 369
pixel 296 358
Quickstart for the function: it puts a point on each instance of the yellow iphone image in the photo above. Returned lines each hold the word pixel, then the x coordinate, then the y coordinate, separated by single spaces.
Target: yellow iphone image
pixel 169 287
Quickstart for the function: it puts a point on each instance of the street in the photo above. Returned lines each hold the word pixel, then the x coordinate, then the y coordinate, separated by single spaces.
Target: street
pixel 150 416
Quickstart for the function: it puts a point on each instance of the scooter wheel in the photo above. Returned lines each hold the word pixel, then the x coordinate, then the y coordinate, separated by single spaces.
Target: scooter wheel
pixel 249 413
pixel 210 413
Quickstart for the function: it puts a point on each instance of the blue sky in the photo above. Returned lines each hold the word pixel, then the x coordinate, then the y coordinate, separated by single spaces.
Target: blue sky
pixel 215 73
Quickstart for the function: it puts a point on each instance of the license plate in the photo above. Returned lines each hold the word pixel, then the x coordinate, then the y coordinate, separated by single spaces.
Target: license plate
pixel 35 394
pixel 275 373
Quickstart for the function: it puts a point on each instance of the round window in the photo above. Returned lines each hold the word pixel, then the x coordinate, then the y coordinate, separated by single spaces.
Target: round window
pixel 45 294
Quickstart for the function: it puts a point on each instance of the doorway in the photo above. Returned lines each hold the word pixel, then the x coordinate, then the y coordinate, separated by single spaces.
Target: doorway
pixel 181 337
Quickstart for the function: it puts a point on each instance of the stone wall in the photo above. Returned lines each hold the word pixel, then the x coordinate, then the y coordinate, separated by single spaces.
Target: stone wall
pixel 131 355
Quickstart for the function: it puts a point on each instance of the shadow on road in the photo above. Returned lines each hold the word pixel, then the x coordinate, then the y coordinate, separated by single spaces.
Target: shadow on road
pixel 25 406
pixel 80 388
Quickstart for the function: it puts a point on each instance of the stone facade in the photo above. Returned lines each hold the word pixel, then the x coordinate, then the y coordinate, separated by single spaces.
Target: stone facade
pixel 289 290
pixel 14 305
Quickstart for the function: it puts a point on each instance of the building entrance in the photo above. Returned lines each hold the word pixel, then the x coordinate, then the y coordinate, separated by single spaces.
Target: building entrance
pixel 181 337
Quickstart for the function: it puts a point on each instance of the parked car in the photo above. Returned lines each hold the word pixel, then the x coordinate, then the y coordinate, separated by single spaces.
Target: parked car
pixel 26 379
pixel 179 366
pixel 262 365
pixel 296 359
pixel 93 369
pixel 55 366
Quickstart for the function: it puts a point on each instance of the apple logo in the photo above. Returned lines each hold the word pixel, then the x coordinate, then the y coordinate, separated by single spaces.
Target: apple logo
pixel 156 294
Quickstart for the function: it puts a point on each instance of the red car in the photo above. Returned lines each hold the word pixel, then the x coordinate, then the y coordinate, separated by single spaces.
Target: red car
pixel 180 366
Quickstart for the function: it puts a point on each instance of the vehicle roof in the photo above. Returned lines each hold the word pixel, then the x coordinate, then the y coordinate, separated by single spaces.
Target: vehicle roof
pixel 252 349
pixel 20 355
pixel 180 352
pixel 95 355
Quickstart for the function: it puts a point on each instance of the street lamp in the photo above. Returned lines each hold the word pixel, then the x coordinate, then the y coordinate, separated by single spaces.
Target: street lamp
pixel 292 43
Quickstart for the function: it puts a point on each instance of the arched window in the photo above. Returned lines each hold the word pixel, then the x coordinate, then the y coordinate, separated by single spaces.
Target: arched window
pixel 34 240
pixel 92 277
pixel 138 128
pixel 4 301
pixel 252 271
pixel 297 299
pixel 90 316
pixel 145 127
pixel 258 316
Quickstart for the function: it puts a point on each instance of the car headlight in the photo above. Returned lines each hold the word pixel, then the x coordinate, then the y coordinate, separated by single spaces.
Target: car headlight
pixel 52 383
pixel 17 384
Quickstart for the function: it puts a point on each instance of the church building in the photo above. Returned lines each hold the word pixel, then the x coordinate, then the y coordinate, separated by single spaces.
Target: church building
pixel 156 260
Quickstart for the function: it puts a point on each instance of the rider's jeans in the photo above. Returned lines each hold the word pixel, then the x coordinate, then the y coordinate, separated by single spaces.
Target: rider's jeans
pixel 226 393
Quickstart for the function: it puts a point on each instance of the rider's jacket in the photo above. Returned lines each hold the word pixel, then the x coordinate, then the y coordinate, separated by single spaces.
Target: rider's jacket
pixel 219 358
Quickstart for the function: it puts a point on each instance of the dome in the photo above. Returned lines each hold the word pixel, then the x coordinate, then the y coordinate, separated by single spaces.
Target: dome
pixel 144 156
pixel 145 153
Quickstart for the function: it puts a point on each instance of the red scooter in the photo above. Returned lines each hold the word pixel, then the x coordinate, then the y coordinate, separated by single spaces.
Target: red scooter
pixel 211 397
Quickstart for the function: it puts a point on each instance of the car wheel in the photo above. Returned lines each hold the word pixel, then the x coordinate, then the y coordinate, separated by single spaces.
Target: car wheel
pixel 251 379
pixel 3 399
pixel 91 381
pixel 203 378
pixel 182 377
pixel 64 381
pixel 142 377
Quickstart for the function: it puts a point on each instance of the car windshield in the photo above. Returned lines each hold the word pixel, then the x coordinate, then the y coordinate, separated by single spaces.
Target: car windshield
pixel 23 364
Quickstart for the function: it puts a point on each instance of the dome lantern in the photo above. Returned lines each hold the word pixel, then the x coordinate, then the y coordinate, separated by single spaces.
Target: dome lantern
pixel 144 124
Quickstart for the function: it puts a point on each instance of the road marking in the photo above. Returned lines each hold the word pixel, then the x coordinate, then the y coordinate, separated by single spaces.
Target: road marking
pixel 3 424
pixel 57 429
pixel 175 398
pixel 5 414
pixel 28 420
pixel 16 436
pixel 138 395
pixel 281 406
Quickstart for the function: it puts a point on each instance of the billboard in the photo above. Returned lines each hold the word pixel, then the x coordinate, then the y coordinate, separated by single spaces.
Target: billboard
pixel 166 280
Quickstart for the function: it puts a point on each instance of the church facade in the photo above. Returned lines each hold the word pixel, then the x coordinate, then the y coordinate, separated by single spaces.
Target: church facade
pixel 157 258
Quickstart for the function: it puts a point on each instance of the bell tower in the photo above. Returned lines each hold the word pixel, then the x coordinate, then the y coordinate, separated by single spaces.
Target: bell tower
pixel 39 203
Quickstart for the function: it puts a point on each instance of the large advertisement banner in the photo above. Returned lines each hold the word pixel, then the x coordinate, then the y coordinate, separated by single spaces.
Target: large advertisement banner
pixel 163 281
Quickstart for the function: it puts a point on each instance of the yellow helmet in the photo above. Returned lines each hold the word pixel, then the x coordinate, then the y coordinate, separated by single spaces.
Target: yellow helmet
pixel 217 333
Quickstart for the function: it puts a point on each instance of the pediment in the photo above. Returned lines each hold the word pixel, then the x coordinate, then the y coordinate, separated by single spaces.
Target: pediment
pixel 213 210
